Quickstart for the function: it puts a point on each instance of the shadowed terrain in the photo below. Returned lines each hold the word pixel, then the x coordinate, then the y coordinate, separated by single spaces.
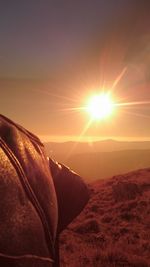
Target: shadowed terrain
pixel 114 228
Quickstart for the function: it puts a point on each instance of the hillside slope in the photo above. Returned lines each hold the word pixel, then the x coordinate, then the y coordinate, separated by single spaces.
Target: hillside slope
pixel 114 228
pixel 109 145
pixel 106 164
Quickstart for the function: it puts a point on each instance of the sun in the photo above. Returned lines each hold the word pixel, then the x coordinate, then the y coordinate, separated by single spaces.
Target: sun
pixel 100 106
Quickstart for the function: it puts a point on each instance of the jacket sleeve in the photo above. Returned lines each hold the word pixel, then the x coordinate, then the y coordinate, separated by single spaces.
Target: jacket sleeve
pixel 71 191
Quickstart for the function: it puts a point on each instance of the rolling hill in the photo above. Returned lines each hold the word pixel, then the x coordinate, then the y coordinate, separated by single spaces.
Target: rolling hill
pixel 102 159
pixel 114 228
pixel 106 164
pixel 70 148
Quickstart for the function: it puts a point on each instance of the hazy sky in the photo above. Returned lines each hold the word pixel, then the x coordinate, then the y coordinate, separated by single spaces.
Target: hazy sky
pixel 54 53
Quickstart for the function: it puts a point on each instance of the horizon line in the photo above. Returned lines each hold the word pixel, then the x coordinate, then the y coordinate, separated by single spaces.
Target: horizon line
pixel 90 139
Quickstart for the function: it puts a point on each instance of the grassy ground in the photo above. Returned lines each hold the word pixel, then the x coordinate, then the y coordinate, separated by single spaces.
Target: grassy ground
pixel 114 228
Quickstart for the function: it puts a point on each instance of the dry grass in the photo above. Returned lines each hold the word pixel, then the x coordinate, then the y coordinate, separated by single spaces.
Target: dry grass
pixel 114 228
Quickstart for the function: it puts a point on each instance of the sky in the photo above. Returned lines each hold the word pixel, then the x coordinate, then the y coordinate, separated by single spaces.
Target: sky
pixel 54 54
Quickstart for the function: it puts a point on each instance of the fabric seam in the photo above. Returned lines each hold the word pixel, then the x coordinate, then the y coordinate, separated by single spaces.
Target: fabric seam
pixel 30 193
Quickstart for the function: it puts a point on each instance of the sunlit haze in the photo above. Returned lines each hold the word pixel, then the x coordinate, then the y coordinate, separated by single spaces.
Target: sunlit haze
pixel 56 57
pixel 100 106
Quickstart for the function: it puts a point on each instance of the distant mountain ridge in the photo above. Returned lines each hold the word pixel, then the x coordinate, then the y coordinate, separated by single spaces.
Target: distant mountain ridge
pixel 97 146
pixel 99 165
pixel 103 159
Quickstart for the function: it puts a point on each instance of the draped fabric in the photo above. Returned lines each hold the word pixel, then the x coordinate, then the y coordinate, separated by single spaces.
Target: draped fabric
pixel 34 195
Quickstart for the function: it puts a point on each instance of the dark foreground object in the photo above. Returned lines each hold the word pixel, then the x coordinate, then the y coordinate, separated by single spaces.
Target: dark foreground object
pixel 38 199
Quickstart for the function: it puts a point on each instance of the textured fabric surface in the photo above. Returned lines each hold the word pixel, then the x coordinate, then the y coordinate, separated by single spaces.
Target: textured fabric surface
pixel 38 199
pixel 28 204
pixel 72 193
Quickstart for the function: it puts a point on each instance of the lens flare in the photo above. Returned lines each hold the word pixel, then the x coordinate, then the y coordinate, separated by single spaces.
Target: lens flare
pixel 100 106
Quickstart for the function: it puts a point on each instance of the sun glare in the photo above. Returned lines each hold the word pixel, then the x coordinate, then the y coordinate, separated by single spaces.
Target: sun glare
pixel 100 106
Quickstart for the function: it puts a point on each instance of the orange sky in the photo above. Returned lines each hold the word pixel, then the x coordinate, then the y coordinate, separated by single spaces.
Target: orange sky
pixel 38 88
